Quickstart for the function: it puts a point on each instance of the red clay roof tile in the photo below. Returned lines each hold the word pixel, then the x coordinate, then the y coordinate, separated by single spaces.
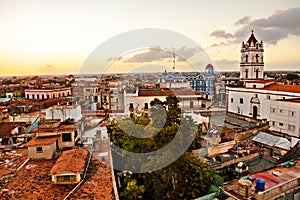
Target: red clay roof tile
pixel 73 160
pixel 7 127
pixel 40 141
pixel 283 88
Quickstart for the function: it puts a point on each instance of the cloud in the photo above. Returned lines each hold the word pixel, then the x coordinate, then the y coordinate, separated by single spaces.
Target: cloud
pixel 224 64
pixel 242 21
pixel 185 53
pixel 156 53
pixel 49 66
pixel 278 26
pixel 288 19
pixel 118 58
pixel 47 69
pixel 221 34
pixel 219 44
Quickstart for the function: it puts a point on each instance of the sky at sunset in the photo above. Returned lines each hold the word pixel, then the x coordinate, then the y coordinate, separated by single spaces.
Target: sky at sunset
pixel 53 37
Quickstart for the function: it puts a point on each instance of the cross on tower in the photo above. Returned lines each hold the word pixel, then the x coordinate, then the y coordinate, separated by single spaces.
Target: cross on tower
pixel 246 73
pixel 257 71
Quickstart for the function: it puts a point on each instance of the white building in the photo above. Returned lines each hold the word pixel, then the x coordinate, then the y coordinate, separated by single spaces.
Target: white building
pixel 189 101
pixel 64 112
pixel 262 98
pixel 285 116
pixel 254 99
pixel 116 95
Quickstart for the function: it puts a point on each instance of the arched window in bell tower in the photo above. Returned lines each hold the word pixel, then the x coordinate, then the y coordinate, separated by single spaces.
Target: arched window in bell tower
pixel 257 72
pixel 256 56
pixel 246 57
pixel 246 73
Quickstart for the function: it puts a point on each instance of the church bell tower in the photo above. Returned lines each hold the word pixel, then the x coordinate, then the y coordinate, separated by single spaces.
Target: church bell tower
pixel 252 63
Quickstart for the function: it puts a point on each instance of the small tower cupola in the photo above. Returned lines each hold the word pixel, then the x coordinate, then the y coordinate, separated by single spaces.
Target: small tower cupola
pixel 209 69
pixel 252 63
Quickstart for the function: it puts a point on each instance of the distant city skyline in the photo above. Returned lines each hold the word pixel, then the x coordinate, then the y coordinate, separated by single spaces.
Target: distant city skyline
pixel 56 37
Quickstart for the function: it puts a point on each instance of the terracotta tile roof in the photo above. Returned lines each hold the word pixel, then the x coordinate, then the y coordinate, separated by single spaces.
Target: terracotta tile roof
pixel 296 100
pixel 53 129
pixel 70 161
pixel 67 127
pixel 33 182
pixel 7 127
pixel 34 130
pixel 163 92
pixel 40 141
pixel 280 88
pixel 261 81
pixel 283 88
pixel 166 92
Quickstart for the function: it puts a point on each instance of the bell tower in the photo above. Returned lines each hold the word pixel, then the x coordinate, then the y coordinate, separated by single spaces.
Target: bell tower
pixel 252 63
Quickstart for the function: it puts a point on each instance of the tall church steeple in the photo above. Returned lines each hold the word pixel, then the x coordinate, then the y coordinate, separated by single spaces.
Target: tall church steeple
pixel 252 63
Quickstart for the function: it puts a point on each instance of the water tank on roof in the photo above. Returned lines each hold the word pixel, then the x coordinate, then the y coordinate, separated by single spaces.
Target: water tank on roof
pixel 260 184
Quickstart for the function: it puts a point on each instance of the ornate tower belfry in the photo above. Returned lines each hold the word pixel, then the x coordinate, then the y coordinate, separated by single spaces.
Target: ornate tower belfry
pixel 252 63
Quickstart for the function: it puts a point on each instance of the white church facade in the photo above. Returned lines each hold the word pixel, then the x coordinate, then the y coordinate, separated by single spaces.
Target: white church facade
pixel 258 97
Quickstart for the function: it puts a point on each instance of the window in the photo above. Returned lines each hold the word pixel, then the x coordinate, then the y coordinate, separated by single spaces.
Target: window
pixel 131 105
pixel 241 100
pixel 191 104
pixel 280 110
pixel 66 178
pixel 37 96
pixel 66 137
pixel 255 95
pixel 27 96
pixel 231 100
pixel 273 123
pixel 39 150
pixel 268 97
pixel 292 113
pixel 291 128
pixel 33 96
pixel 280 124
pixel 146 105
pixel 48 96
pixel 273 110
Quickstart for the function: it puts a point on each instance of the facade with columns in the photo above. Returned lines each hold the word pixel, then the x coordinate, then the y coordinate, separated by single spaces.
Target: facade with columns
pixel 252 60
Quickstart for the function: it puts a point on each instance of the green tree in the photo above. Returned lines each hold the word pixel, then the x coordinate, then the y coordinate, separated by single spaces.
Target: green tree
pixel 132 191
pixel 292 76
pixel 187 177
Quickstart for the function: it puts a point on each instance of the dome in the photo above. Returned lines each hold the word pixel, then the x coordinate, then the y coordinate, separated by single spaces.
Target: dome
pixel 209 66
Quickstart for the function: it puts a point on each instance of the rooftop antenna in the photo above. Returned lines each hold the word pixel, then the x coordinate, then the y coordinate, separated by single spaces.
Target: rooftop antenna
pixel 174 57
